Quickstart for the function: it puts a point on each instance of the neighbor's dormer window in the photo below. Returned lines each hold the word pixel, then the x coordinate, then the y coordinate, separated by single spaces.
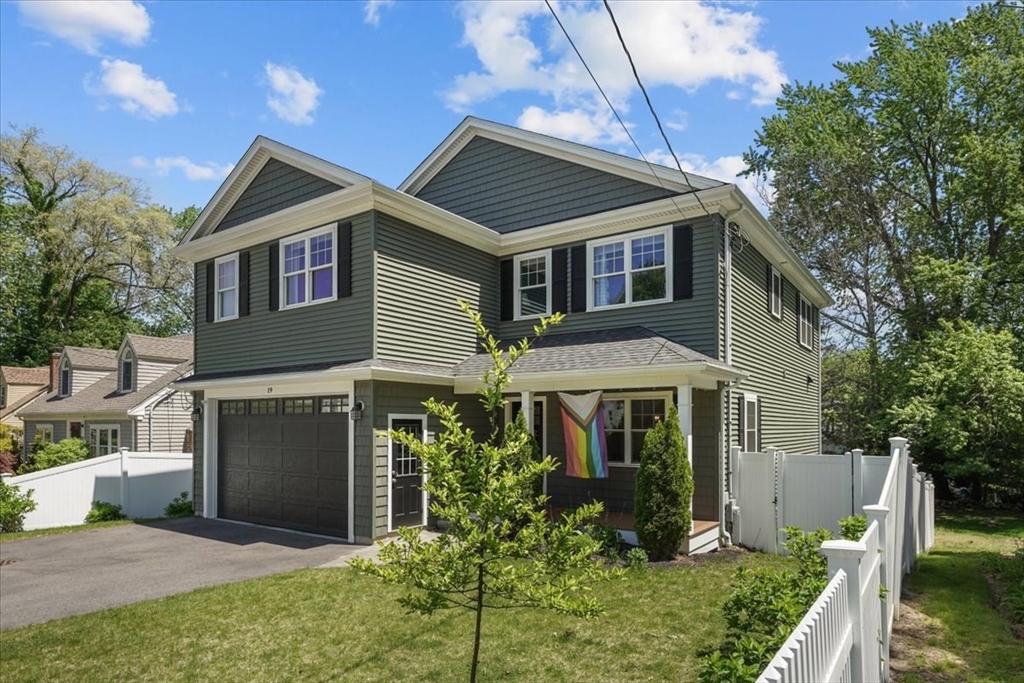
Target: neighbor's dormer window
pixel 127 366
pixel 533 285
pixel 307 268
pixel 65 378
pixel 226 271
pixel 629 269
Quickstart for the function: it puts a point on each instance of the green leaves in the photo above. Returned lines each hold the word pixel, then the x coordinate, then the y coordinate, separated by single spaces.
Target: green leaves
pixel 664 489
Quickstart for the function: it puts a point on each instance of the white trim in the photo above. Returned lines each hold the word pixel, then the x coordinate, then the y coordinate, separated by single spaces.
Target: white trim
pixel 305 237
pixel 776 302
pixel 211 411
pixel 231 258
pixel 543 400
pixel 601 160
pixel 343 374
pixel 423 420
pixel 351 521
pixel 628 397
pixel 517 301
pixel 46 425
pixel 141 408
pixel 802 322
pixel 127 357
pixel 700 374
pixel 627 240
pixel 62 365
pixel 99 426
pixel 749 398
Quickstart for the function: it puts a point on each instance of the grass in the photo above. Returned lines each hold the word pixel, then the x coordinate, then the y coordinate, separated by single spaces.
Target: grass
pixel 56 531
pixel 335 624
pixel 963 637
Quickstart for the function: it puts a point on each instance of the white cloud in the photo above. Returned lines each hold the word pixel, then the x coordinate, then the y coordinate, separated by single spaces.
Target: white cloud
pixel 372 8
pixel 684 45
pixel 139 94
pixel 208 170
pixel 725 169
pixel 678 120
pixel 85 25
pixel 580 125
pixel 293 97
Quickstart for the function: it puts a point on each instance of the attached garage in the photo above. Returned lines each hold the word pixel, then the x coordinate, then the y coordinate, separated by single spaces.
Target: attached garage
pixel 284 462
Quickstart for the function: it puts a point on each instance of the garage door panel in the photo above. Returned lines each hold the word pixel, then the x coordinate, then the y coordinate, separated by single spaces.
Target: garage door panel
pixel 285 470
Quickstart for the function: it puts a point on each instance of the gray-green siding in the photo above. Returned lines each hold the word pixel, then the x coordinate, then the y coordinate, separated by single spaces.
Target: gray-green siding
pixel 508 188
pixel 420 278
pixel 690 322
pixel 783 374
pixel 339 330
pixel 277 186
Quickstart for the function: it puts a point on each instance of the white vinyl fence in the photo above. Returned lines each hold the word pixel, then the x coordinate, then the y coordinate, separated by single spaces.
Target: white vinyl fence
pixel 845 635
pixel 141 483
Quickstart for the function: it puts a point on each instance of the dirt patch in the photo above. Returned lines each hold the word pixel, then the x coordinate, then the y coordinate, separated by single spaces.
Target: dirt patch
pixel 715 557
pixel 911 650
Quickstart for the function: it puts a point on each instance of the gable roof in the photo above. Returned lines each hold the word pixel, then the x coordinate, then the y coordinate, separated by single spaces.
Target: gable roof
pixel 245 171
pixel 29 376
pixel 472 127
pixel 177 348
pixel 102 396
pixel 23 401
pixel 91 359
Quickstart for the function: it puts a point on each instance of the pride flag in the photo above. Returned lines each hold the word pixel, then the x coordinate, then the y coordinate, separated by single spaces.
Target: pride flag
pixel 586 452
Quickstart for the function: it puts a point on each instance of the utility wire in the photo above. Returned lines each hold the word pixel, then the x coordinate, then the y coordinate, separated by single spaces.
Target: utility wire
pixel 649 104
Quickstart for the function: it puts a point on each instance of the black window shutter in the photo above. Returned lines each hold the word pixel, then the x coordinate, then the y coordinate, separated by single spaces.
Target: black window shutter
pixel 579 278
pixel 210 290
pixel 760 446
pixel 682 262
pixel 275 275
pixel 507 290
pixel 770 287
pixel 344 260
pixel 243 284
pixel 559 280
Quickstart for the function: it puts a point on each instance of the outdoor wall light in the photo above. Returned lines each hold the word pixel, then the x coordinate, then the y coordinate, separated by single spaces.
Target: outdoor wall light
pixel 356 411
pixel 197 413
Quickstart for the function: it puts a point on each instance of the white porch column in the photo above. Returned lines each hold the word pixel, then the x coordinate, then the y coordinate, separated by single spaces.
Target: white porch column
pixel 684 404
pixel 526 407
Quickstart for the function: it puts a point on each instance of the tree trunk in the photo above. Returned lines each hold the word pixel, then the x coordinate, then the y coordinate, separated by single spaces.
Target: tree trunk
pixel 479 619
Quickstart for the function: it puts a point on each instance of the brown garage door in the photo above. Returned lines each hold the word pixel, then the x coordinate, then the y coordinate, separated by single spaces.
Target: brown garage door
pixel 284 463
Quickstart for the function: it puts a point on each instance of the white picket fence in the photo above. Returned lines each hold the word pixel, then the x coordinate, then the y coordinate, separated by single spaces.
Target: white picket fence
pixel 141 483
pixel 845 635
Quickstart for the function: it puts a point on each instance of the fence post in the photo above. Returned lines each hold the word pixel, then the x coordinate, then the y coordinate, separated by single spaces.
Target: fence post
pixel 774 490
pixel 858 480
pixel 878 514
pixel 124 479
pixel 734 478
pixel 898 450
pixel 848 555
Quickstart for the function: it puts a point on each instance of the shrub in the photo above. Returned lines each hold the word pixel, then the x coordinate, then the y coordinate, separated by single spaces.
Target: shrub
pixel 852 528
pixel 10 439
pixel 56 454
pixel 103 512
pixel 664 489
pixel 8 462
pixel 180 506
pixel 14 505
pixel 636 558
pixel 1008 571
pixel 607 536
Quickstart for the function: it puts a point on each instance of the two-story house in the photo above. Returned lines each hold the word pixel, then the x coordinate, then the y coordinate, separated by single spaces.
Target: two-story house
pixel 117 399
pixel 326 310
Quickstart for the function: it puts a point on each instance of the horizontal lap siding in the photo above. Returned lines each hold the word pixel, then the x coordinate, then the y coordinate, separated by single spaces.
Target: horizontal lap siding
pixel 197 458
pixel 81 378
pixel 147 371
pixel 277 186
pixel 706 461
pixel 691 322
pixel 420 278
pixel 340 330
pixel 60 431
pixel 171 420
pixel 507 188
pixel 768 349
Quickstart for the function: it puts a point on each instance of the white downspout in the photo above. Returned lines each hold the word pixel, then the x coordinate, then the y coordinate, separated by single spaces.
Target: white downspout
pixel 727 352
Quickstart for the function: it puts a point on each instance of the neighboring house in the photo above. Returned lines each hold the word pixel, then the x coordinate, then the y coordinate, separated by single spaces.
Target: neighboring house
pixel 326 311
pixel 117 399
pixel 19 386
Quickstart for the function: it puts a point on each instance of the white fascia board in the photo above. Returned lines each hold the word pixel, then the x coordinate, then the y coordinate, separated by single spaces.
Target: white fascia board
pixel 77 417
pixel 312 379
pixel 141 408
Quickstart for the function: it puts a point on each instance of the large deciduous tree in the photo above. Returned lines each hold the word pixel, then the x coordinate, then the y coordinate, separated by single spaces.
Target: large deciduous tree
pixel 84 254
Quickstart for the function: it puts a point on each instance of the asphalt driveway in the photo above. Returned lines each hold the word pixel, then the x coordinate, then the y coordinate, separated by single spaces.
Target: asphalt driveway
pixel 51 577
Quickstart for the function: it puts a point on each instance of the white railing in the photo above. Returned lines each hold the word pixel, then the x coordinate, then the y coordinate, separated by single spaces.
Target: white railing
pixel 141 483
pixel 901 525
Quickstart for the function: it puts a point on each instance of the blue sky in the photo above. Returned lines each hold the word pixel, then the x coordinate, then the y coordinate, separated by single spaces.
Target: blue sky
pixel 174 92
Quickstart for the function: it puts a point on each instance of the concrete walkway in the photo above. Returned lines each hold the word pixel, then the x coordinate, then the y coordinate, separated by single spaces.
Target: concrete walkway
pixel 52 577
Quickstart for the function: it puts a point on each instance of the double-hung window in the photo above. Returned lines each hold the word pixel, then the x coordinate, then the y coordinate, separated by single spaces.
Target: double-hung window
pixel 44 433
pixel 533 284
pixel 806 323
pixel 627 421
pixel 65 378
pixel 226 272
pixel 775 293
pixel 104 439
pixel 308 263
pixel 126 371
pixel 630 269
pixel 751 424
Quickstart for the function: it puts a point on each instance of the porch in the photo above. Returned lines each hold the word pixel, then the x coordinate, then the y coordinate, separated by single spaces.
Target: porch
pixel 703 535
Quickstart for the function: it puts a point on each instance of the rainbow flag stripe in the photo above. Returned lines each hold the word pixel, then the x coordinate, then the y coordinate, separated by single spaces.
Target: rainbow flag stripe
pixel 586 451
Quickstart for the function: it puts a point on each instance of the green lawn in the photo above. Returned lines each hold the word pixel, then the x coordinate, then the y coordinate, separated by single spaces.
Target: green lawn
pixel 35 533
pixel 334 624
pixel 961 637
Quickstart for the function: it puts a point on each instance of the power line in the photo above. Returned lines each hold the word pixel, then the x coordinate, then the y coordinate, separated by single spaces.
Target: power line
pixel 650 106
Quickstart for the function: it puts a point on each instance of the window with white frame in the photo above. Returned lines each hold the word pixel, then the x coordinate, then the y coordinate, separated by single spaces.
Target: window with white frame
pixel 65 378
pixel 533 284
pixel 627 419
pixel 44 433
pixel 3 395
pixel 226 270
pixel 751 424
pixel 127 367
pixel 775 293
pixel 806 321
pixel 630 269
pixel 307 268
pixel 104 439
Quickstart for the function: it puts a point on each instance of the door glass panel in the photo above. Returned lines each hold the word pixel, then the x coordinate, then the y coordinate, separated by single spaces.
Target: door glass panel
pixel 404 461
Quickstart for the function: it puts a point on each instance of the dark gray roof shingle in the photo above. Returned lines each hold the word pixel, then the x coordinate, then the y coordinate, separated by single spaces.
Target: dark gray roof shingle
pixel 162 348
pixel 102 396
pixel 93 359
